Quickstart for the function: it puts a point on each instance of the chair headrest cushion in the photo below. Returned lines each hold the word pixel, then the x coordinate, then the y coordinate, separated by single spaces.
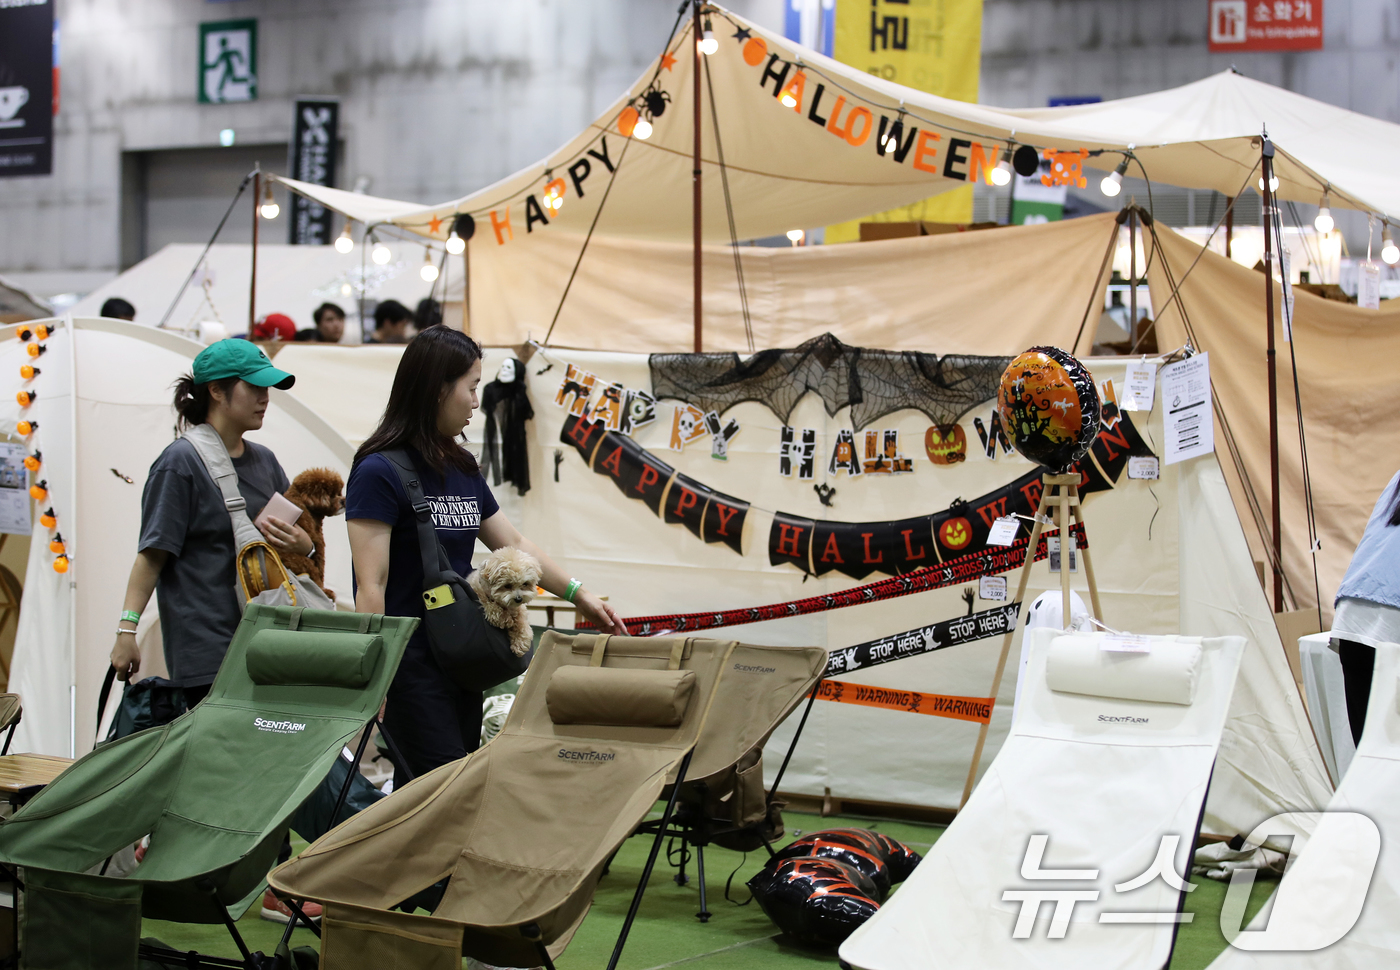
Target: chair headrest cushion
pixel 306 659
pixel 1166 674
pixel 619 696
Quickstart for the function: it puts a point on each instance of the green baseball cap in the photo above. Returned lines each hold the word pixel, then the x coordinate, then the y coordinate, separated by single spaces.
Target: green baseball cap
pixel 241 359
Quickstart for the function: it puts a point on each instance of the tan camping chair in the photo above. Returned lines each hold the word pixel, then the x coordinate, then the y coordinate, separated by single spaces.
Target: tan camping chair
pixel 723 801
pixel 522 828
pixel 11 711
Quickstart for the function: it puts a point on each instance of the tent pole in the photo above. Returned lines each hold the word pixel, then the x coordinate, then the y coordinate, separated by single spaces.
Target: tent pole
pixel 1277 538
pixel 466 288
pixel 695 174
pixel 253 276
pixel 1132 274
pixel 1229 225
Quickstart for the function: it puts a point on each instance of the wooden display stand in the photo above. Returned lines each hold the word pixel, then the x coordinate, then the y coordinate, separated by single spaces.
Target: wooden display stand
pixel 1059 495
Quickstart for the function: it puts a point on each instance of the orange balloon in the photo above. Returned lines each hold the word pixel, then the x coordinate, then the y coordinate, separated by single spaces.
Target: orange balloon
pixel 755 50
pixel 60 565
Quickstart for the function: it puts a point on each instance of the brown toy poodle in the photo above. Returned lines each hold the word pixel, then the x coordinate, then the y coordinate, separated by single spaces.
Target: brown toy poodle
pixel 319 492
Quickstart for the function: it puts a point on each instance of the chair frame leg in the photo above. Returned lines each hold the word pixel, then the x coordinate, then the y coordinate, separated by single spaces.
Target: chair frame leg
pixel 792 745
pixel 651 864
pixel 394 752
pixel 531 932
pixel 354 767
pixel 704 914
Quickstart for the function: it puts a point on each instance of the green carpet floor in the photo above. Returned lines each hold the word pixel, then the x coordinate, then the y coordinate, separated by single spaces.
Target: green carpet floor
pixel 667 933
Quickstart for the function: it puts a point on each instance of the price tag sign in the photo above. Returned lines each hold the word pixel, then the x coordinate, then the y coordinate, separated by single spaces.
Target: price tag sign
pixel 1148 468
pixel 1368 287
pixel 1139 386
pixel 1003 531
pixel 1124 643
pixel 992 588
pixel 1052 546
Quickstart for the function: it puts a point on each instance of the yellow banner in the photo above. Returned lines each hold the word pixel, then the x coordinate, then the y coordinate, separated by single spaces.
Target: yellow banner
pixel 931 45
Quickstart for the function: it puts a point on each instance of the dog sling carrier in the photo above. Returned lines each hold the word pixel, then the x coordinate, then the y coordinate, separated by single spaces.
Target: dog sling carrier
pixel 474 654
pixel 261 576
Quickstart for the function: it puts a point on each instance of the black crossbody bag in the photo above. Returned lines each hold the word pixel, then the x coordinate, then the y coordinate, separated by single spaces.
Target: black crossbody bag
pixel 475 655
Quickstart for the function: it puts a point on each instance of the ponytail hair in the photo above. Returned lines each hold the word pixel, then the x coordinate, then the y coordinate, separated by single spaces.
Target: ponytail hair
pixel 192 400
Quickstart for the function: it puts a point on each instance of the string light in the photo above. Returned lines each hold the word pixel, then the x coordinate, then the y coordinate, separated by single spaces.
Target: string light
pixel 1001 175
pixel 48 520
pixel 26 428
pixel 429 272
pixel 1389 251
pixel 1273 183
pixel 891 139
pixel 26 398
pixel 60 565
pixel 32 462
pixel 1323 222
pixel 380 253
pixel 345 241
pixel 28 371
pixel 553 193
pixel 1112 183
pixel 56 544
pixel 39 490
pixel 270 208
pixel 642 129
pixel 456 245
pixel 708 43
pixel 795 236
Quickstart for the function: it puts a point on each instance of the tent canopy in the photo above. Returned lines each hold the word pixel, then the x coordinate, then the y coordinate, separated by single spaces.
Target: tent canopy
pixel 802 138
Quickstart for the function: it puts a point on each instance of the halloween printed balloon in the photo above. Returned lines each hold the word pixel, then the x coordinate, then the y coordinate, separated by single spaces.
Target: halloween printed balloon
pixel 1050 407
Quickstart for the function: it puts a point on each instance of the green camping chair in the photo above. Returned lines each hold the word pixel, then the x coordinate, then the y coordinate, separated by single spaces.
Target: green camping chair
pixel 213 789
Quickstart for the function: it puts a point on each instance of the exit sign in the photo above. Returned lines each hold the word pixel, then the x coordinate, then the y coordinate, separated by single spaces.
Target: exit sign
pixel 1265 25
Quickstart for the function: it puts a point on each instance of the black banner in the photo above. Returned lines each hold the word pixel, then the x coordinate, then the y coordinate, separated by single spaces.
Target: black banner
pixel 685 503
pixel 26 88
pixel 790 541
pixel 314 144
pixel 724 521
pixel 925 639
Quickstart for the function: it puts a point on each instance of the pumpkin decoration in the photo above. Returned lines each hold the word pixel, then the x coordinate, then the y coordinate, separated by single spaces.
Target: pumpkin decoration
pixel 755 50
pixel 945 444
pixel 955 533
pixel 1050 407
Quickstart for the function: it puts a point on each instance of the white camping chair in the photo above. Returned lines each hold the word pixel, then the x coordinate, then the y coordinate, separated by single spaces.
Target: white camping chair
pixel 1104 773
pixel 1346 878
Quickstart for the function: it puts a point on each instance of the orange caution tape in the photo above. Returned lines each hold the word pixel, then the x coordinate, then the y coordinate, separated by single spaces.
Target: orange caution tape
pixel 978 709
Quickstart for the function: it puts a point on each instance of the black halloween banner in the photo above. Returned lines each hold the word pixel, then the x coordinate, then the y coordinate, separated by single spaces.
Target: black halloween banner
pixel 925 639
pixel 675 497
pixel 855 549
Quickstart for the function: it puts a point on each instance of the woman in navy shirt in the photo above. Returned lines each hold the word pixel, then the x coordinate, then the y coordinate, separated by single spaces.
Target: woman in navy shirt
pixel 431 719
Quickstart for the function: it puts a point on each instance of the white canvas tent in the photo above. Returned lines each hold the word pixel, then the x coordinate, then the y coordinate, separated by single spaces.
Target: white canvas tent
pixel 786 172
pixel 103 415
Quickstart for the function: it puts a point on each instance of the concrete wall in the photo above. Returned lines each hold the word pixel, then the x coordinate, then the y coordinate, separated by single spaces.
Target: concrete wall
pixel 440 97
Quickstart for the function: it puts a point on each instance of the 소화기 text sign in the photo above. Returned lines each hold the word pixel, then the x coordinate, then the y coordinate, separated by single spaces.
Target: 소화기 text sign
pixel 1265 25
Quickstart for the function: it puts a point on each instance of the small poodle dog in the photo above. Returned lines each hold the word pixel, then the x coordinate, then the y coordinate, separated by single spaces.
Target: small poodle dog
pixel 319 492
pixel 504 583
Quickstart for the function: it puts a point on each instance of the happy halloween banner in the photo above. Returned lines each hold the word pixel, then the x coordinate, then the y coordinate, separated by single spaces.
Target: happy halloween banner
pixel 855 549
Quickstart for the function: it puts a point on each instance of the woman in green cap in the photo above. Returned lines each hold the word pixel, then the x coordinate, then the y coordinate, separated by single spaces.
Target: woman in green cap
pixel 186 548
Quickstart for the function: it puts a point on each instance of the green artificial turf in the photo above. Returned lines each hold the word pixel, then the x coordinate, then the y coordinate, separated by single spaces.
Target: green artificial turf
pixel 667 934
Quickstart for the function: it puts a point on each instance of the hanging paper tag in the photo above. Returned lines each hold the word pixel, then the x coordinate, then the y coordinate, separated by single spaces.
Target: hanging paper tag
pixel 1187 414
pixel 1148 468
pixel 1368 287
pixel 1124 643
pixel 1052 546
pixel 1003 531
pixel 992 588
pixel 1139 386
